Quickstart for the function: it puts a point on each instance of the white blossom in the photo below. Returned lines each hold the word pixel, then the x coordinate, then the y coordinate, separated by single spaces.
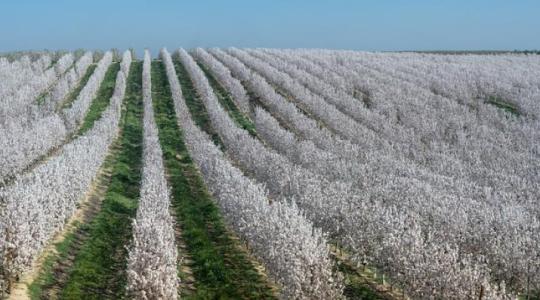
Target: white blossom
pixel 151 268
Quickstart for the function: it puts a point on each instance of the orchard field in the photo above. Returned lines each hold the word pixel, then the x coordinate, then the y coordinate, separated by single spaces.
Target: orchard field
pixel 269 174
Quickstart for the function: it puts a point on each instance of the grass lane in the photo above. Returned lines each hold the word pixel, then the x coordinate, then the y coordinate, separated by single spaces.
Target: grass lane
pixel 225 99
pixel 506 106
pixel 99 267
pixel 102 100
pixel 222 269
pixel 196 107
pixel 46 276
pixel 77 90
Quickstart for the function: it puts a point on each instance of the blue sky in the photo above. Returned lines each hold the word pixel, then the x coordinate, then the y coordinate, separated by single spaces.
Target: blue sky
pixel 341 24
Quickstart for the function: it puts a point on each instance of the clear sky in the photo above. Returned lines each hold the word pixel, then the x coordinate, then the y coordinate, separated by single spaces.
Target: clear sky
pixel 341 24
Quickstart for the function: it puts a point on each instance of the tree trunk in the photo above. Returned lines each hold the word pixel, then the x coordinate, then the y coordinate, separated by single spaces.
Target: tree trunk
pixel 481 295
pixel 528 281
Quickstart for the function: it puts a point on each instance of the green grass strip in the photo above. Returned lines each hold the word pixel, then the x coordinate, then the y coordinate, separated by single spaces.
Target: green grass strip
pixel 102 100
pixel 99 268
pixel 42 97
pixel 46 276
pixel 225 99
pixel 221 269
pixel 504 105
pixel 196 107
pixel 55 57
pixel 75 93
pixel 355 287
